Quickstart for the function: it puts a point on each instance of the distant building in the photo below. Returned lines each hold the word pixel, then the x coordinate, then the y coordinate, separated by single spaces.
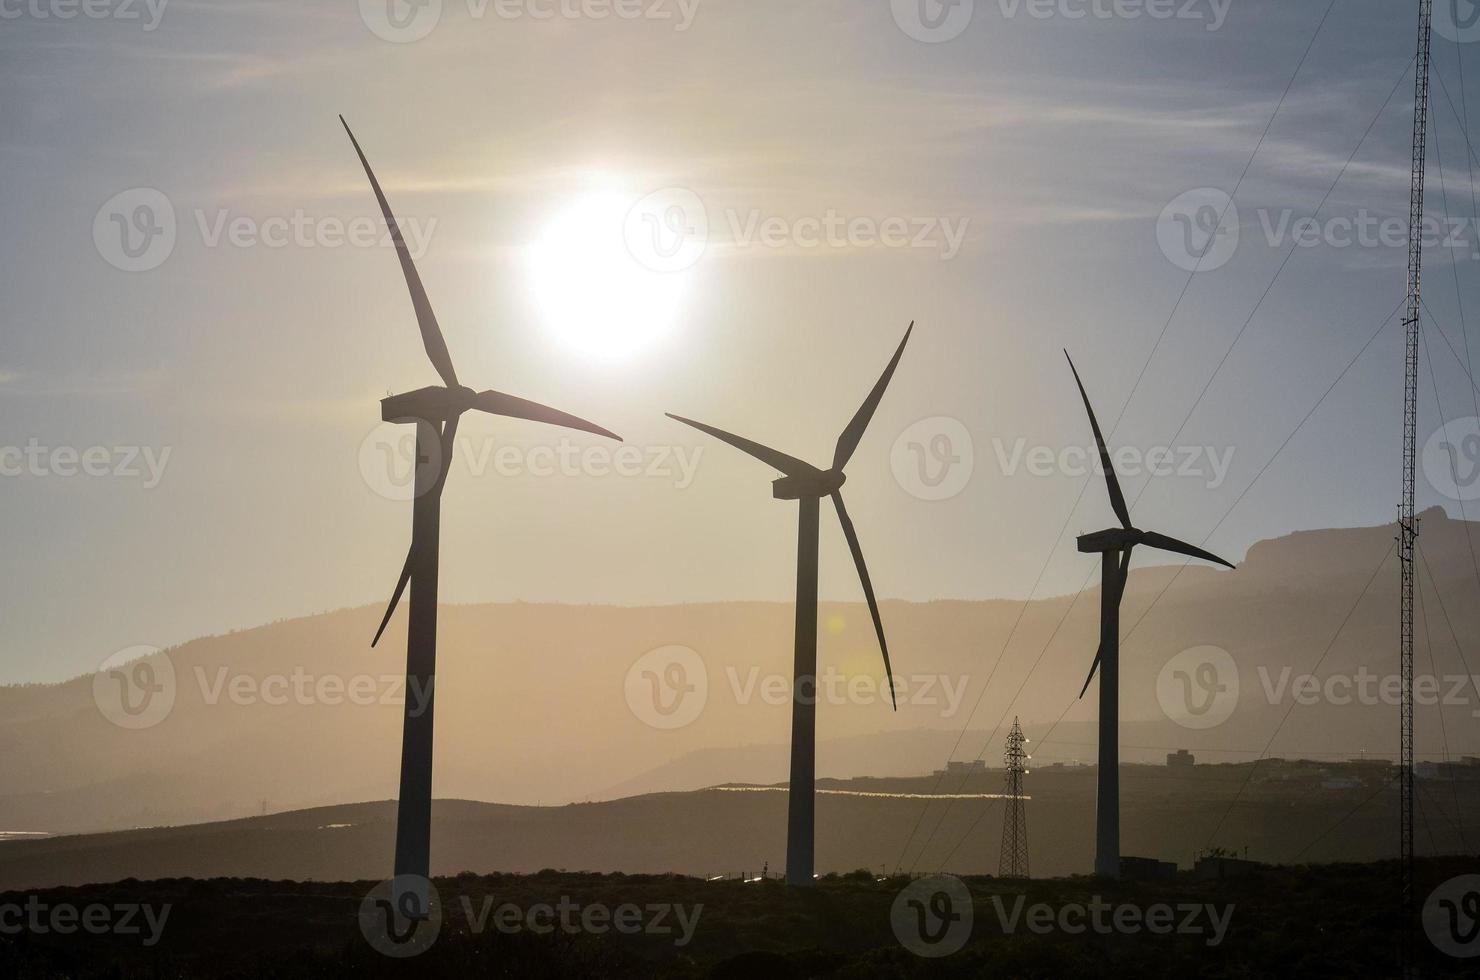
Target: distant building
pixel 976 767
pixel 1147 869
pixel 1287 770
pixel 1181 757
pixel 1465 770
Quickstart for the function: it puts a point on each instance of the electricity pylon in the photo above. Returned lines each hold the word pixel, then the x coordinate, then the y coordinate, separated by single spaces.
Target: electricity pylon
pixel 1014 862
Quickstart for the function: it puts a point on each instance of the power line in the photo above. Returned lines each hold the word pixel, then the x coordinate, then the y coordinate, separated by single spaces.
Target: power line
pixel 1344 818
pixel 1286 716
pixel 1439 405
pixel 1434 321
pixel 1254 312
pixel 1257 476
pixel 1222 214
pixel 1428 639
pixel 1474 227
pixel 1001 655
pixel 1269 462
pixel 1275 278
pixel 1469 147
pixel 1475 685
pixel 1464 333
pixel 1186 283
pixel 1445 612
pixel 1269 287
pixel 998 727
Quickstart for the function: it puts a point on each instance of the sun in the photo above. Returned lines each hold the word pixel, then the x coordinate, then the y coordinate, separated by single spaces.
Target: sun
pixel 594 294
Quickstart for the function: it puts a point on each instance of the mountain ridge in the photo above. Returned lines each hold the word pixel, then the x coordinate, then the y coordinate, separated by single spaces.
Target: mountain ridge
pixel 533 704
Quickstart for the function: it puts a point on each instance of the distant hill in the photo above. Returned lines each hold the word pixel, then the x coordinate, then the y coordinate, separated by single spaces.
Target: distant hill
pixel 531 706
pixel 1284 813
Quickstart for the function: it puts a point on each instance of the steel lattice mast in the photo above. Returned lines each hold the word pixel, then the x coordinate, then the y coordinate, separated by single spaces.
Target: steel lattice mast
pixel 1407 518
pixel 1014 860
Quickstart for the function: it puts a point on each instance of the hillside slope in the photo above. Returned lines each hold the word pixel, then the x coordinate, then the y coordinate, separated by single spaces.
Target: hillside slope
pixel 531 705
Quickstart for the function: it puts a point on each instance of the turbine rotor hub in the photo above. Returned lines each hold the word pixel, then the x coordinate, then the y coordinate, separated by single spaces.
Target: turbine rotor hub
pixel 1110 539
pixel 819 483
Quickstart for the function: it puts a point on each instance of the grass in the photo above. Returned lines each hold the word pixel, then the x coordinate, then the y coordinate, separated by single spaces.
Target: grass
pixel 1311 921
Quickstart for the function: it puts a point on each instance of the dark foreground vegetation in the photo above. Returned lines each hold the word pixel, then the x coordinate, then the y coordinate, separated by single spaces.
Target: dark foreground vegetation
pixel 1310 922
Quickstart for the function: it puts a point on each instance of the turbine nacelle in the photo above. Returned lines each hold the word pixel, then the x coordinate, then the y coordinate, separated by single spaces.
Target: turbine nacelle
pixel 1110 539
pixel 436 403
pixel 800 486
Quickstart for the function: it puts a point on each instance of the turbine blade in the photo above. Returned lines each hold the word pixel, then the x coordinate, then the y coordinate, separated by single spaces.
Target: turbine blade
pixel 849 440
pixel 498 403
pixel 1117 498
pixel 778 460
pixel 1092 668
pixel 396 596
pixel 431 333
pixel 1119 586
pixel 868 588
pixel 449 449
pixel 1161 541
pixel 449 445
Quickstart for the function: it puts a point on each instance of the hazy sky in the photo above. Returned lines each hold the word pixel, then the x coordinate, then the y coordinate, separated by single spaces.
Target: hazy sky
pixel 1000 179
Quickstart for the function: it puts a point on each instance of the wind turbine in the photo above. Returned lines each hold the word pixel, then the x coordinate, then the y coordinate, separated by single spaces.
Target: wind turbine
pixel 435 412
pixel 1114 545
pixel 807 484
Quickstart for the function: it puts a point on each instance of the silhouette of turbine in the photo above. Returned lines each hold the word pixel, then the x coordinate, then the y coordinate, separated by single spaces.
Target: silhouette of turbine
pixel 1114 545
pixel 807 484
pixel 435 412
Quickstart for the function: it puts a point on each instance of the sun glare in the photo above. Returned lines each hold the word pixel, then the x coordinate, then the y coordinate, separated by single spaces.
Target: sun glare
pixel 594 294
